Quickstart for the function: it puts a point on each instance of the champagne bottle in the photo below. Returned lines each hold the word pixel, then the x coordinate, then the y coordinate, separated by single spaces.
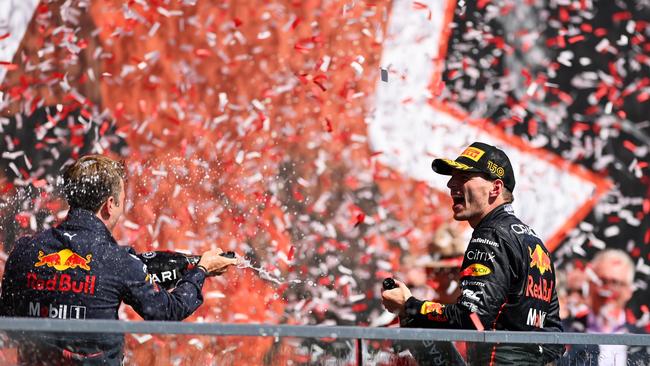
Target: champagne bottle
pixel 389 284
pixel 166 268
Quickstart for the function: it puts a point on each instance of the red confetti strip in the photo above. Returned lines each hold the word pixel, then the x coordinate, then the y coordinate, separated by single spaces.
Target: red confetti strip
pixel 40 183
pixel 629 145
pixel 359 307
pixel 23 219
pixel 295 23
pixel 576 39
pixel 622 15
pixel 360 219
pixel 418 5
pixel 202 52
pixel 328 125
pixel 5 36
pixel 631 319
pixel 8 65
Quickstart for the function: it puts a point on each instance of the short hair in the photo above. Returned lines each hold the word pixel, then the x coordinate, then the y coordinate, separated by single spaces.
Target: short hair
pixel 91 180
pixel 507 195
pixel 617 255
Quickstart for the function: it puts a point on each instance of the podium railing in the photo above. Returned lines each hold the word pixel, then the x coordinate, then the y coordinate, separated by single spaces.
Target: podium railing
pixel 348 345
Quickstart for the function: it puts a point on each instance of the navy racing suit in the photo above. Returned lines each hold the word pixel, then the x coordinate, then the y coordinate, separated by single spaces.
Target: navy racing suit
pixel 78 271
pixel 508 281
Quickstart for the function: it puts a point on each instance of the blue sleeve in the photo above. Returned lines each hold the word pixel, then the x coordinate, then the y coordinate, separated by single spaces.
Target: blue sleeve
pixel 10 278
pixel 154 303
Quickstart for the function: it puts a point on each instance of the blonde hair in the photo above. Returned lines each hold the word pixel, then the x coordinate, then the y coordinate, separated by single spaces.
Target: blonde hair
pixel 616 255
pixel 91 180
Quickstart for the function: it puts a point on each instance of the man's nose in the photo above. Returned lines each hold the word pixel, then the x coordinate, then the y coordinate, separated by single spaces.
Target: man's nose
pixel 451 182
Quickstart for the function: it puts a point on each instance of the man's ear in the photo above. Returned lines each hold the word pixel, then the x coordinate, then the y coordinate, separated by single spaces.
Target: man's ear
pixel 107 208
pixel 497 188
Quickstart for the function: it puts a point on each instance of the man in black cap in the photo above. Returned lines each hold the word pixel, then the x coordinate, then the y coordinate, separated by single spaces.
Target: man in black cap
pixel 507 276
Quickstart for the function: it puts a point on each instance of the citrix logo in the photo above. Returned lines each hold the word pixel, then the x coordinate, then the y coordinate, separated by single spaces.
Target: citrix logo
pixel 479 255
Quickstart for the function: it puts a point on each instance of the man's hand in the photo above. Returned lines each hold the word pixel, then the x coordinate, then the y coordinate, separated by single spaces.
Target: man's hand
pixel 395 299
pixel 215 263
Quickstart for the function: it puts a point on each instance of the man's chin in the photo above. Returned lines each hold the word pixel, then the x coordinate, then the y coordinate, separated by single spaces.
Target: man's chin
pixel 459 216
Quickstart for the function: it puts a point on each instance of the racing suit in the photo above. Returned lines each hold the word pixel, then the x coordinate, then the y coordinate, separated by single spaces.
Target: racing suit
pixel 78 271
pixel 508 281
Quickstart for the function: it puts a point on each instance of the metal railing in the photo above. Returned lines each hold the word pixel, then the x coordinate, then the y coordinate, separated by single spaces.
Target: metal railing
pixel 303 331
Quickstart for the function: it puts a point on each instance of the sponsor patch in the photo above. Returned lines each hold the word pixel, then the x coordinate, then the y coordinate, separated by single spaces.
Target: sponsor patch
pixel 539 259
pixel 56 311
pixel 542 289
pixel 434 311
pixel 496 169
pixel 63 259
pixel 472 283
pixel 471 306
pixel 485 241
pixel 479 255
pixel 61 283
pixel 69 236
pixel 164 276
pixel 473 153
pixel 475 270
pixel 472 295
pixel 148 255
pixel 536 318
pixel 523 229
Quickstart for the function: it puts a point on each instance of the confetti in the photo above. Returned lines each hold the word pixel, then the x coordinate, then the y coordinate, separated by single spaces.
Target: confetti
pixel 247 127
pixel 384 75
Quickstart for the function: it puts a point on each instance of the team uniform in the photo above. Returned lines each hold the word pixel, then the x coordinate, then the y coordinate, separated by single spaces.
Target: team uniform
pixel 508 281
pixel 78 271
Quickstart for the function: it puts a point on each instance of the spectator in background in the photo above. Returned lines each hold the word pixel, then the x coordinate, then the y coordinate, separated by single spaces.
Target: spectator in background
pixel 611 276
pixel 434 277
pixel 448 248
pixel 573 291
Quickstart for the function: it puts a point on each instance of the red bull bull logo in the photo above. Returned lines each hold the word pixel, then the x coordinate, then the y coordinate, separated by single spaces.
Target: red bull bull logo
pixel 63 259
pixel 539 259
pixel 433 310
pixel 474 270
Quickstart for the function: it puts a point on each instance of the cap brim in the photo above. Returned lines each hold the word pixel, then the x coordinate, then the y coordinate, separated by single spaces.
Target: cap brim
pixel 446 166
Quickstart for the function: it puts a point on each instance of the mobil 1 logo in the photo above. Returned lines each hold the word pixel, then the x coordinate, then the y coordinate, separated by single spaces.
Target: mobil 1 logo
pixel 56 311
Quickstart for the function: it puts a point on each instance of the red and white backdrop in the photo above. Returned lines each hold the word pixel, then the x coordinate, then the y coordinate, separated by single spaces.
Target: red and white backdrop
pixel 300 133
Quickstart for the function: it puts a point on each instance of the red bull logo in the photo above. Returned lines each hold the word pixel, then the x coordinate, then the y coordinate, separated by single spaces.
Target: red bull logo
pixel 63 259
pixel 541 289
pixel 62 283
pixel 474 270
pixel 539 259
pixel 433 310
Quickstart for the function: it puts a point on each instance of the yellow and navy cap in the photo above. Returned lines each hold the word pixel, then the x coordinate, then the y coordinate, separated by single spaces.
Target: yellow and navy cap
pixel 480 157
